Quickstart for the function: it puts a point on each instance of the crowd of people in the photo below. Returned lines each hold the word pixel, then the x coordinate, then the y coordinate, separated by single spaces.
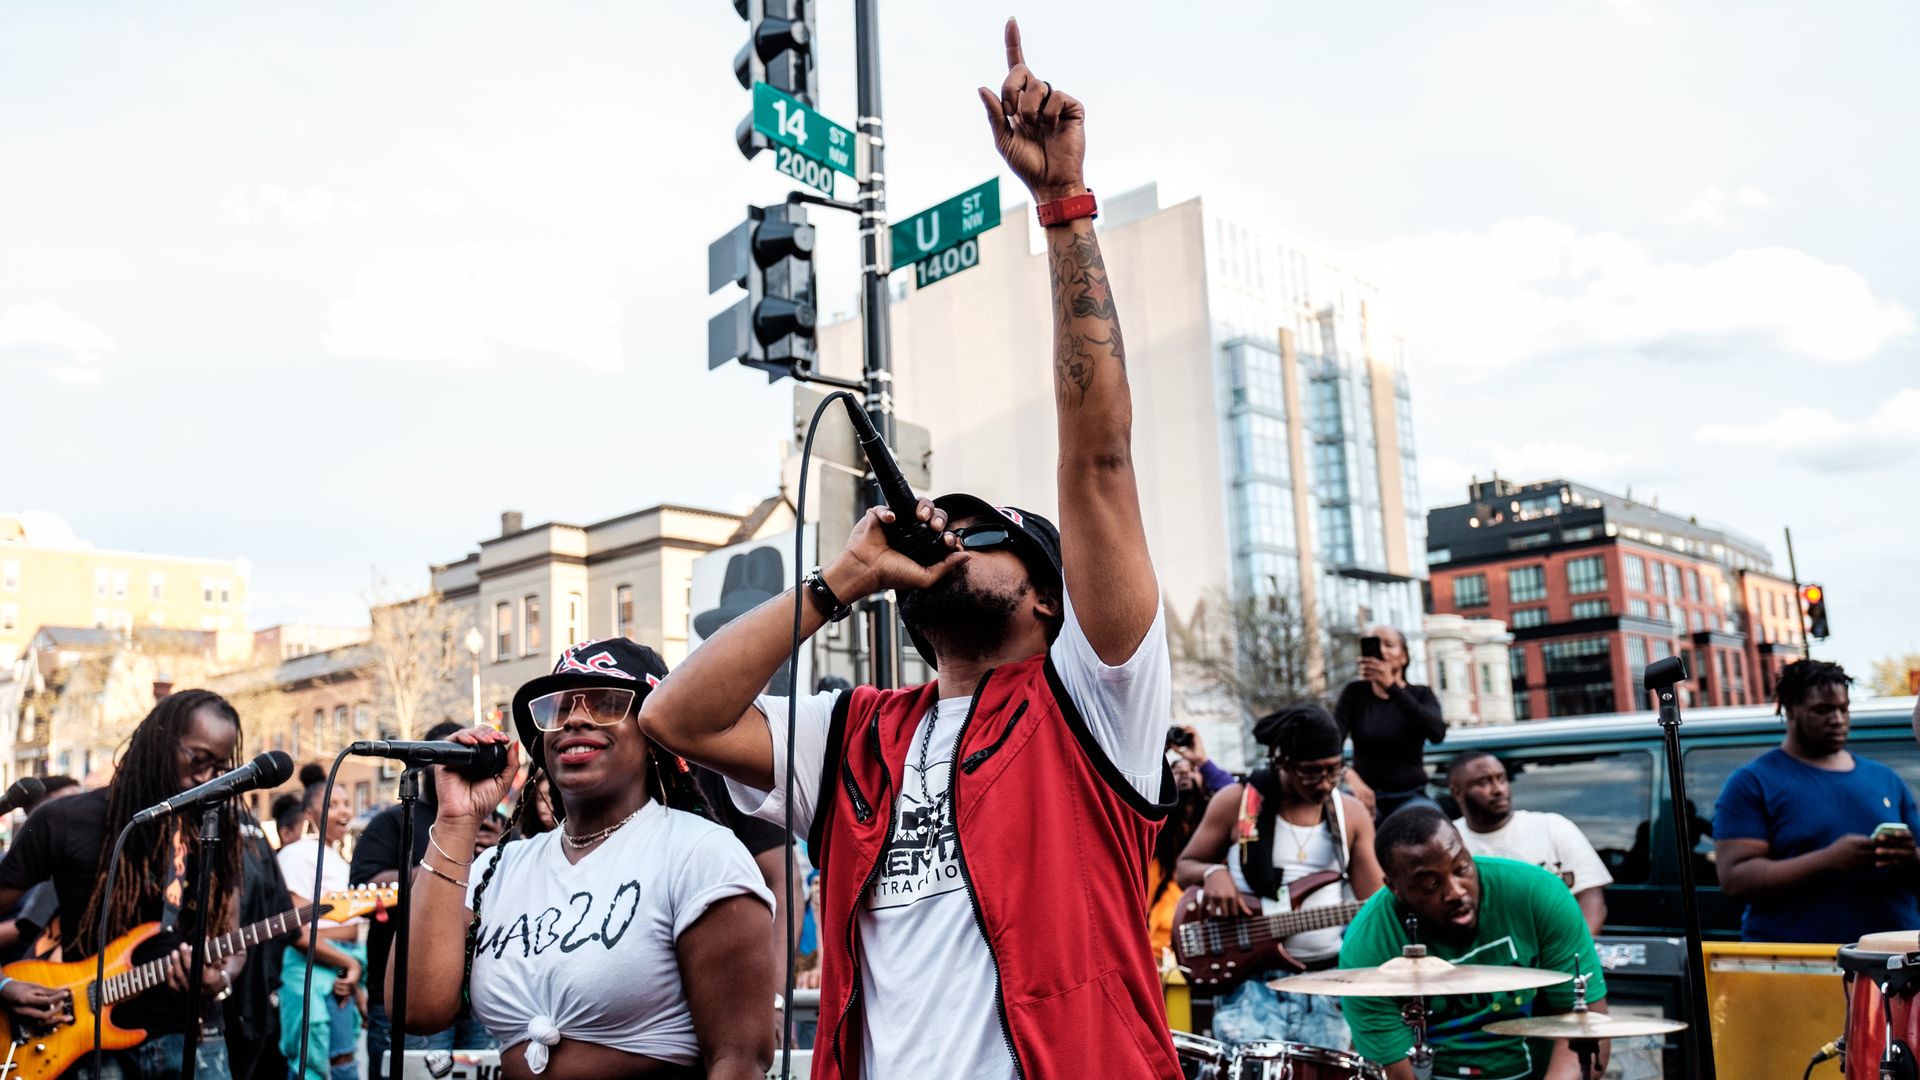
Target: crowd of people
pixel 1002 853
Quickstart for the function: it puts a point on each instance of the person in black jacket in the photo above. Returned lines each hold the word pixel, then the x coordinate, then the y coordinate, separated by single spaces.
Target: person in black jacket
pixel 1390 724
pixel 252 1011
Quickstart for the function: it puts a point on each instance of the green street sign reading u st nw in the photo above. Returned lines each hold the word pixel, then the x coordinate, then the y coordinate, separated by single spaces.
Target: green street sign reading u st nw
pixel 948 225
pixel 783 119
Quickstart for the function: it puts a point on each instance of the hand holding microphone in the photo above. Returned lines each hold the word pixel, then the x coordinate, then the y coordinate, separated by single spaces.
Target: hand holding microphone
pixel 465 801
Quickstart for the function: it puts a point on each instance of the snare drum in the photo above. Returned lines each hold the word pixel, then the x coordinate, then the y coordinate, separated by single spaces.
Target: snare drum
pixel 1298 1061
pixel 1201 1059
pixel 1882 978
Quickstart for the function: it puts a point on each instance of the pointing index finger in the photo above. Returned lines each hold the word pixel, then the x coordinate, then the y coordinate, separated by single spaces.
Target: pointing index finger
pixel 1014 56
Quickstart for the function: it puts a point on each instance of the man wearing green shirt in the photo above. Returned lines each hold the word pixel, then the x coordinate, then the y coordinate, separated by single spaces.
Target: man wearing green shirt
pixel 1469 911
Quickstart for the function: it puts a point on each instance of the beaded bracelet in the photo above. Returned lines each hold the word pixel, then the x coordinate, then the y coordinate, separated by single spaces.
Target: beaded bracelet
pixel 441 874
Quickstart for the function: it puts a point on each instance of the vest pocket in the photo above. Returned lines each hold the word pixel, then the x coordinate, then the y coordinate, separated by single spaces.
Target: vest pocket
pixel 1093 1029
pixel 862 809
pixel 979 757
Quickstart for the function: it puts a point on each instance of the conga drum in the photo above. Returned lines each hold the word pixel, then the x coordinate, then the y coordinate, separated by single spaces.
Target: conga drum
pixel 1881 974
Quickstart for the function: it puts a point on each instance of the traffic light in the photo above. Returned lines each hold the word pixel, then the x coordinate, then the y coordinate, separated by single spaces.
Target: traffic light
pixel 771 256
pixel 778 52
pixel 1815 599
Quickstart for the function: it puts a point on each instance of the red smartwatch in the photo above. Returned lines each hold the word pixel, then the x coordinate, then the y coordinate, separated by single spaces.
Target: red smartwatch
pixel 1061 211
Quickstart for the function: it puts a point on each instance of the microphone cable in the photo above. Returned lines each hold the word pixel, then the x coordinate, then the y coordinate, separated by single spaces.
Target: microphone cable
pixel 793 702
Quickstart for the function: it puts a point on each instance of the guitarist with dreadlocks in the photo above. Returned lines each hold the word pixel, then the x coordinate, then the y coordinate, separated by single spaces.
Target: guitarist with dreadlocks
pixel 189 738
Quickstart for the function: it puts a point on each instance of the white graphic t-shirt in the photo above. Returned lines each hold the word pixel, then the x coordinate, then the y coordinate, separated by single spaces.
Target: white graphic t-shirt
pixel 1548 841
pixel 929 980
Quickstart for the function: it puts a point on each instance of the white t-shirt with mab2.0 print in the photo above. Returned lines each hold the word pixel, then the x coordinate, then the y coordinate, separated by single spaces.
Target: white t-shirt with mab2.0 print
pixel 929 978
pixel 585 950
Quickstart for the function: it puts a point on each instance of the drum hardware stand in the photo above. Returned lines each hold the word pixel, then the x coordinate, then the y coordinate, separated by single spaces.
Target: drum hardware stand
pixel 403 914
pixel 1662 677
pixel 1584 1049
pixel 1413 1012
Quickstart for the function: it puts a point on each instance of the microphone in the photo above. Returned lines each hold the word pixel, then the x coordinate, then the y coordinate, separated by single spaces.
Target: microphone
pixel 269 770
pixel 24 790
pixel 908 535
pixel 481 762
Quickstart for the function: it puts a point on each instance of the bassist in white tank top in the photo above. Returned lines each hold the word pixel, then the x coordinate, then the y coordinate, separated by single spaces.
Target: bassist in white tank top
pixel 1287 827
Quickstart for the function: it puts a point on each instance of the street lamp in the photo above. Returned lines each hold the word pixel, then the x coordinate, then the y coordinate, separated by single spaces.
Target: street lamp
pixel 475 642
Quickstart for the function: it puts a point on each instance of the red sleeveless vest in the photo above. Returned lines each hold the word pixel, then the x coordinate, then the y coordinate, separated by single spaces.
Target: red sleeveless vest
pixel 1054 844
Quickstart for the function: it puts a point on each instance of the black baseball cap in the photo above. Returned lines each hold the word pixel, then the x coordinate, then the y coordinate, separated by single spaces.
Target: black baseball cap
pixel 615 662
pixel 1035 539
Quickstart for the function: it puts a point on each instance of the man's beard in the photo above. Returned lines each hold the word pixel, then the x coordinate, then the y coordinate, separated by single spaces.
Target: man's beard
pixel 959 619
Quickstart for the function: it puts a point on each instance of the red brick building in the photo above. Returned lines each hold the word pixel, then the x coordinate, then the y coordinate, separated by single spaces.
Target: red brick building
pixel 1595 586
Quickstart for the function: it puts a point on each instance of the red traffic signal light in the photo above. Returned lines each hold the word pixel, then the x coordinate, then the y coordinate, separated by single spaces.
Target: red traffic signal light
pixel 1811 594
pixel 1815 599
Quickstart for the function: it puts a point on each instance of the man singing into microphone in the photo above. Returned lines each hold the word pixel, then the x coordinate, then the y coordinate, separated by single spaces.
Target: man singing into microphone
pixel 982 840
pixel 189 738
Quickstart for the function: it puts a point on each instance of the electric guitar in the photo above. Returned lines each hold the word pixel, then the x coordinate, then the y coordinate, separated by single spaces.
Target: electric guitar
pixel 41 1052
pixel 1219 953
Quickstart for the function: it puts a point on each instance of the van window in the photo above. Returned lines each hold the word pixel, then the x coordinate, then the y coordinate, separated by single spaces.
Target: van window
pixel 1608 795
pixel 1709 766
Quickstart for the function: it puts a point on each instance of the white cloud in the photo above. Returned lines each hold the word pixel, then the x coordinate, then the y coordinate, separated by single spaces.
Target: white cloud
pixel 313 206
pixel 46 337
pixel 1713 206
pixel 435 201
pixel 459 304
pixel 1821 441
pixel 1531 288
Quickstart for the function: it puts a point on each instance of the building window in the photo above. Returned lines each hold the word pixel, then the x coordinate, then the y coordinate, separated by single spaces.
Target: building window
pixel 362 798
pixel 1470 590
pixel 9 616
pixel 362 721
pixel 120 584
pixel 1517 660
pixel 1526 583
pixel 623 611
pixel 1528 616
pixel 575 607
pixel 530 607
pixel 502 631
pixel 339 725
pixel 1590 609
pixel 1577 658
pixel 1581 699
pixel 1636 570
pixel 1637 606
pixel 1522 705
pixel 293 736
pixel 226 592
pixel 319 730
pixel 1658 580
pixel 1588 575
pixel 206 590
pixel 156 586
pixel 10 576
pixel 102 579
pixel 1486 678
pixel 1637 667
pixel 1673 580
pixel 1440 670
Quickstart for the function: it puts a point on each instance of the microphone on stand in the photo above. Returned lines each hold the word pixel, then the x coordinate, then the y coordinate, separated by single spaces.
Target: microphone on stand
pixel 908 535
pixel 24 790
pixel 269 770
pixel 481 762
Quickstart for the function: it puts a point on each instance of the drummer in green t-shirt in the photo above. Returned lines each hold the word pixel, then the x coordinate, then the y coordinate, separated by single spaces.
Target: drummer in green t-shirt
pixel 1470 911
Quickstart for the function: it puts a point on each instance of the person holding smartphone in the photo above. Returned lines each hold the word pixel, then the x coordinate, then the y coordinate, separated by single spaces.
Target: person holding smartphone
pixel 1814 839
pixel 1390 723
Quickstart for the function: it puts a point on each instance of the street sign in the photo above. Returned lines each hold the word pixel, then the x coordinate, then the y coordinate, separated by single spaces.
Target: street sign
pixel 783 119
pixel 948 225
pixel 964 256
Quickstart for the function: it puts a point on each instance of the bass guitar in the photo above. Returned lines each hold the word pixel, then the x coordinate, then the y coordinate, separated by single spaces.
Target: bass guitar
pixel 1219 953
pixel 42 1052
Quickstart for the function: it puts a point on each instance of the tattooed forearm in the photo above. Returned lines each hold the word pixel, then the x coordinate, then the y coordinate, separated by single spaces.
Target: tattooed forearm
pixel 1086 326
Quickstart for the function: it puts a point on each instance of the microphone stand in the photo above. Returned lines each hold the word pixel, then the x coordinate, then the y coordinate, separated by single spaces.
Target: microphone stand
pixel 196 927
pixel 1663 677
pixel 397 1003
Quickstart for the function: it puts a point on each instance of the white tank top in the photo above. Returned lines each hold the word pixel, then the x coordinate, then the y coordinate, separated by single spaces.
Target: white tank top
pixel 1290 865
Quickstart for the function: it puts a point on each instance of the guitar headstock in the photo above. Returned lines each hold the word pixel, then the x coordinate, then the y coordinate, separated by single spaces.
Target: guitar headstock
pixel 357 900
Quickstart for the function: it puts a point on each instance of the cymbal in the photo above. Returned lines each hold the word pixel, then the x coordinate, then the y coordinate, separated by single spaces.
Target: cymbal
pixel 1418 976
pixel 1585 1025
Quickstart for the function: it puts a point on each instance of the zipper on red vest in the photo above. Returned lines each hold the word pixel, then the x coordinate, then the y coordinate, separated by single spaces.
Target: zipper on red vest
pixel 853 919
pixel 979 757
pixel 960 854
pixel 863 810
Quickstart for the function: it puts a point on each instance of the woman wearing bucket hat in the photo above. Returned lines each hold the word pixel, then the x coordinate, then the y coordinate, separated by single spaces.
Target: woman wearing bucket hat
pixel 1289 821
pixel 622 942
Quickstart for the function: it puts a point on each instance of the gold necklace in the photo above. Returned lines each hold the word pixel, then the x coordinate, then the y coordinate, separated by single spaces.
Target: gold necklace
pixel 593 838
pixel 1299 845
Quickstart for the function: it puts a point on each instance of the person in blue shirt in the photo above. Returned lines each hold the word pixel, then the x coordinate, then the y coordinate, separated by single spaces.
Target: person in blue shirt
pixel 1794 829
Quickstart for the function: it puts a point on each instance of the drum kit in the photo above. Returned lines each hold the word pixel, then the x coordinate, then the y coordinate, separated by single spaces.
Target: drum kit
pixel 1881 973
pixel 1414 976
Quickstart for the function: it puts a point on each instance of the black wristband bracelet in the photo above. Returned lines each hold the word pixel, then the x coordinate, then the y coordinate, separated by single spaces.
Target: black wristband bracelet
pixel 823 597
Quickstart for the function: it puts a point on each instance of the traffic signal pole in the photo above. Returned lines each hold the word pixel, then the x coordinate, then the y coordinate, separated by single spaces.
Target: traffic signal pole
pixel 1799 601
pixel 876 323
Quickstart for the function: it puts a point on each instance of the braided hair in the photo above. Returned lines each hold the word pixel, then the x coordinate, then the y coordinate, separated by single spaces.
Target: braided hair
pixel 1801 678
pixel 676 785
pixel 146 773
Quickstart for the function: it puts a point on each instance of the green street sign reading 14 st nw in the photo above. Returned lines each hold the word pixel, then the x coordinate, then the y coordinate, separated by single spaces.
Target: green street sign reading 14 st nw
pixel 940 242
pixel 811 148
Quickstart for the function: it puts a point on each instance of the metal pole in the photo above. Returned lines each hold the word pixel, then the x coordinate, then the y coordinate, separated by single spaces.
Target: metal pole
pixel 1701 1041
pixel 403 913
pixel 1793 570
pixel 476 690
pixel 875 322
pixel 196 928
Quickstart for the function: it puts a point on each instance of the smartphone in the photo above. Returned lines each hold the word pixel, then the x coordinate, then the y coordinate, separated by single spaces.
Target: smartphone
pixel 1370 647
pixel 1888 830
pixel 1179 737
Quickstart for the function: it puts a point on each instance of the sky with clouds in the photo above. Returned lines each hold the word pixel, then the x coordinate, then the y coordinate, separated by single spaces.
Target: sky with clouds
pixel 328 288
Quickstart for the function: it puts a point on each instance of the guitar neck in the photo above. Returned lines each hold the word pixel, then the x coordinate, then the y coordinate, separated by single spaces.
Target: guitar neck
pixel 153 973
pixel 1289 923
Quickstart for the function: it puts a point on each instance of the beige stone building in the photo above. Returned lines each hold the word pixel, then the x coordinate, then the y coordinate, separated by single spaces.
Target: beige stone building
pixel 535 590
pixel 1273 433
pixel 1470 669
pixel 49 577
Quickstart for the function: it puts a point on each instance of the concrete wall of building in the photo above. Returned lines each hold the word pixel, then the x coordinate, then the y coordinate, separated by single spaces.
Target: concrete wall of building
pixel 60 586
pixel 1468 669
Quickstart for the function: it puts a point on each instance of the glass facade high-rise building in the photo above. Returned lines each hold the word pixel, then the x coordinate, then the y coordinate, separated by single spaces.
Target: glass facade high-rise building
pixel 1272 432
